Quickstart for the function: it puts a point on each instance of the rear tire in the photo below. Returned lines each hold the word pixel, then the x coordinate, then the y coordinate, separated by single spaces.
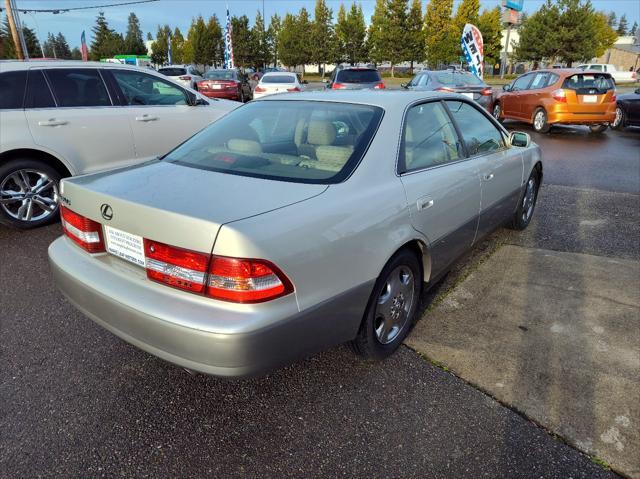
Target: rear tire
pixel 392 307
pixel 28 193
pixel 540 121
pixel 526 203
pixel 618 123
pixel 598 128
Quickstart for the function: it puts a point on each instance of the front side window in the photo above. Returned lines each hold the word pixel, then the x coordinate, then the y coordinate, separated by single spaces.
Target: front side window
pixel 430 138
pixel 297 141
pixel 78 87
pixel 479 133
pixel 521 83
pixel 12 89
pixel 143 89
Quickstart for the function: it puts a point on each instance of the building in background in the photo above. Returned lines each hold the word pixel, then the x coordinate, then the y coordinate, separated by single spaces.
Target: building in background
pixel 624 54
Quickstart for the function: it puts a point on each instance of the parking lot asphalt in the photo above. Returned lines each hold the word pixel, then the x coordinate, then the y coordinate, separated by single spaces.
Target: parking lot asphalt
pixel 77 401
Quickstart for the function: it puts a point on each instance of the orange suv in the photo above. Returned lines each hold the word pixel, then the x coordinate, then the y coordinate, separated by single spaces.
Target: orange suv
pixel 570 96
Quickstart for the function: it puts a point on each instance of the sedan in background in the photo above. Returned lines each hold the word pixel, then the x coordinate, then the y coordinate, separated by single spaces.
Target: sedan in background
pixel 229 84
pixel 627 110
pixel 560 96
pixel 457 81
pixel 354 78
pixel 277 82
pixel 186 75
pixel 292 224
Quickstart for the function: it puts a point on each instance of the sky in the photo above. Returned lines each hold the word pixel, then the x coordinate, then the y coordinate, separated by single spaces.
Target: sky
pixel 178 13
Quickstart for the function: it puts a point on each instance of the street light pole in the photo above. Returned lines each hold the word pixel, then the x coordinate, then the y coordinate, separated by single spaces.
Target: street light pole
pixel 14 30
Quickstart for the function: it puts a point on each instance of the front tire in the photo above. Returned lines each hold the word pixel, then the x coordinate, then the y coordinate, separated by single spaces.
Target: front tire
pixel 28 193
pixel 618 123
pixel 527 203
pixel 392 307
pixel 540 121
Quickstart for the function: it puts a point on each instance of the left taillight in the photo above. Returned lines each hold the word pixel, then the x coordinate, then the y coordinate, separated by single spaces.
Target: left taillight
pixel 293 89
pixel 487 92
pixel 177 267
pixel 84 232
pixel 379 86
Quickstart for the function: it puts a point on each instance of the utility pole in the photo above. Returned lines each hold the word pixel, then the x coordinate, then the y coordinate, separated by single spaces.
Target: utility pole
pixel 505 56
pixel 14 30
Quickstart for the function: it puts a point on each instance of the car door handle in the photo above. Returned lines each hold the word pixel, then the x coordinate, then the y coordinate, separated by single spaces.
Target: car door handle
pixel 52 122
pixel 146 118
pixel 488 177
pixel 424 203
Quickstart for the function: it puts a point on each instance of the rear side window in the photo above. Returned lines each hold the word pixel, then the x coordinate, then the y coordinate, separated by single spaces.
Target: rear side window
pixel 589 83
pixel 173 72
pixel 540 80
pixel 78 87
pixel 479 133
pixel 12 85
pixel 38 93
pixel 430 139
pixel 553 78
pixel 278 79
pixel 358 76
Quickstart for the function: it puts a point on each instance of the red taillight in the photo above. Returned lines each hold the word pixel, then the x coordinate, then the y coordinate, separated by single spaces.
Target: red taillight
pixel 487 92
pixel 613 98
pixel 84 232
pixel 176 267
pixel 293 89
pixel 245 280
pixel 259 89
pixel 445 89
pixel 560 95
pixel 338 86
pixel 379 86
pixel 186 77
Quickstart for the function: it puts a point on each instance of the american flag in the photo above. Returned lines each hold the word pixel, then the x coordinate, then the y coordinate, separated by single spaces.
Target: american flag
pixel 83 47
pixel 169 49
pixel 228 46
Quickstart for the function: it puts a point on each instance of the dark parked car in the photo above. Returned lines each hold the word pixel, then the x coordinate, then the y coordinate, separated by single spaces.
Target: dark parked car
pixel 354 78
pixel 229 84
pixel 627 110
pixel 453 81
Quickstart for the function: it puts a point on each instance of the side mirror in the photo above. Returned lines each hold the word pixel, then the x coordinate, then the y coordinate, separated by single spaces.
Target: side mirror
pixel 519 139
pixel 506 87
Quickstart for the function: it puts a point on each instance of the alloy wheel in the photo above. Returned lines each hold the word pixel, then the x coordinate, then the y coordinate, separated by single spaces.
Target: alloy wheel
pixel 618 119
pixel 539 120
pixel 28 195
pixel 496 111
pixel 394 304
pixel 529 200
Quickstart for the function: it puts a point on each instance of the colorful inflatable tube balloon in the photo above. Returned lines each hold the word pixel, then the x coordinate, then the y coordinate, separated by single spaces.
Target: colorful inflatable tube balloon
pixel 473 49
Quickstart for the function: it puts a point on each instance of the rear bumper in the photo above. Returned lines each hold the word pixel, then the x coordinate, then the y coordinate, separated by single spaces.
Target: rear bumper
pixel 577 116
pixel 230 95
pixel 198 333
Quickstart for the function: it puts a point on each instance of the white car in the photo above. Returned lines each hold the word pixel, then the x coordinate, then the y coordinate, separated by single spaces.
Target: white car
pixel 277 82
pixel 67 118
pixel 186 75
pixel 619 76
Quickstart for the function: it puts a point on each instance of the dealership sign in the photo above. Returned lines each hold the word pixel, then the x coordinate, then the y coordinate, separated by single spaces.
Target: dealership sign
pixel 513 4
pixel 473 49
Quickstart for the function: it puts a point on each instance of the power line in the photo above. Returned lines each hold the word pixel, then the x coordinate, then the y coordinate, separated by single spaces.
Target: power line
pixel 56 11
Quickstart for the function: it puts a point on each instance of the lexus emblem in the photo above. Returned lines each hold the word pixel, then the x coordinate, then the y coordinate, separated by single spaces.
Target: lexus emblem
pixel 107 212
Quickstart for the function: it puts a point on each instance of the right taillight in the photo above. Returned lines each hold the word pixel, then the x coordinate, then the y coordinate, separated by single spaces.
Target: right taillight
pixel 487 91
pixel 84 232
pixel 560 95
pixel 259 89
pixel 245 280
pixel 338 86
pixel 177 267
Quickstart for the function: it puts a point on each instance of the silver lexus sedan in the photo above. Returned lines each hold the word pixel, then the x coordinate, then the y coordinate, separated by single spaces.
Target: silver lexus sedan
pixel 292 224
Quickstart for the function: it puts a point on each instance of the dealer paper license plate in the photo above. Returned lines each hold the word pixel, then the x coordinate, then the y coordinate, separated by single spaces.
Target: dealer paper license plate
pixel 125 245
pixel 590 99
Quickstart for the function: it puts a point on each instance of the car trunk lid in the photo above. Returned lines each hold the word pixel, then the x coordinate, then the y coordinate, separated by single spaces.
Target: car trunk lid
pixel 589 91
pixel 176 204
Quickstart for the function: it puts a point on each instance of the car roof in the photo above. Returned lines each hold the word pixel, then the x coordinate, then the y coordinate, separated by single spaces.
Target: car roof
pixel 11 65
pixel 272 74
pixel 563 71
pixel 389 99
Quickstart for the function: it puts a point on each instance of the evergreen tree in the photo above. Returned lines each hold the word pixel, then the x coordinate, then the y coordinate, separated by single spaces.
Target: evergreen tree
pixel 149 36
pixel 634 29
pixel 62 47
pixel 197 46
pixel 323 39
pixel 468 12
pixel 49 46
pixel 259 34
pixel 32 42
pixel 623 25
pixel 272 38
pixel 105 41
pixel 605 36
pixel 377 40
pixel 303 28
pixel 289 42
pixel 76 54
pixel 159 48
pixel 177 47
pixel 539 34
pixel 442 46
pixel 244 44
pixel 351 33
pixel 216 43
pixel 396 35
pixel 133 42
pixel 522 19
pixel 612 19
pixel 415 34
pixel 490 25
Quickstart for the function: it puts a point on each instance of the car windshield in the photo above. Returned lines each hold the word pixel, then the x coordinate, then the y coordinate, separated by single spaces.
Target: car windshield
pixel 220 75
pixel 173 72
pixel 458 79
pixel 298 141
pixel 360 75
pixel 278 79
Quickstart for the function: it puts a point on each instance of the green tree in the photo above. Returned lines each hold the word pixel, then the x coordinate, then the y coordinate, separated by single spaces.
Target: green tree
pixel 196 47
pixel 177 47
pixel 612 19
pixel 304 27
pixel 289 42
pixel 377 39
pixel 262 53
pixel 76 54
pixel 32 42
pixel 605 36
pixel 415 34
pixel 149 36
pixel 106 42
pixel 623 25
pixel 351 33
pixel 216 41
pixel 133 42
pixel 272 38
pixel 159 48
pixel 468 12
pixel 4 38
pixel 634 29
pixel 441 44
pixel 62 47
pixel 396 34
pixel 244 44
pixel 49 46
pixel 323 38
pixel 539 34
pixel 490 25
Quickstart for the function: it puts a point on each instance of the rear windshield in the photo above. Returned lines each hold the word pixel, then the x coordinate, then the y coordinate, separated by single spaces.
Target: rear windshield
pixel 457 79
pixel 278 79
pixel 589 83
pixel 297 141
pixel 173 72
pixel 358 76
pixel 220 75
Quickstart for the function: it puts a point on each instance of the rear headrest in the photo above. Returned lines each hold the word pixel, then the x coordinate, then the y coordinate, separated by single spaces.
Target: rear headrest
pixel 244 146
pixel 321 133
